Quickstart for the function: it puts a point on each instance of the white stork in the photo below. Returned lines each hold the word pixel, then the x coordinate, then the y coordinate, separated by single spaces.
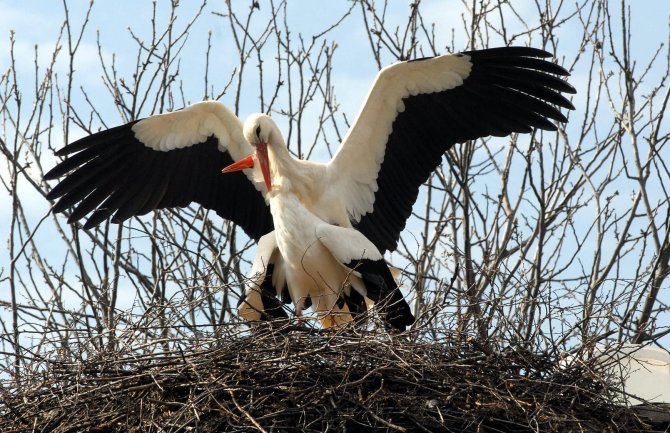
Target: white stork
pixel 329 267
pixel 414 112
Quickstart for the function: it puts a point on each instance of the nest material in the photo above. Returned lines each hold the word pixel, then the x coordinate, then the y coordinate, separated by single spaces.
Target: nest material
pixel 302 381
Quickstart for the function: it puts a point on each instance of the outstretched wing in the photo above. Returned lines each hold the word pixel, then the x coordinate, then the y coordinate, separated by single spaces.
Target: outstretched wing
pixel 417 110
pixel 163 161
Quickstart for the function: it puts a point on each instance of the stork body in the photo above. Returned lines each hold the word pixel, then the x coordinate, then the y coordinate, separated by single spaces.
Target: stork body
pixel 314 276
pixel 312 273
pixel 319 265
pixel 414 112
pixel 323 265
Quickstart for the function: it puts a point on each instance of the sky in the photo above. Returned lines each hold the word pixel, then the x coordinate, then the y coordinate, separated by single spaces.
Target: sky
pixel 37 24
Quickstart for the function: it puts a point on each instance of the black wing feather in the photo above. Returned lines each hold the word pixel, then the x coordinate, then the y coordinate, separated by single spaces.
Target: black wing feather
pixel 111 173
pixel 383 290
pixel 107 184
pixel 509 89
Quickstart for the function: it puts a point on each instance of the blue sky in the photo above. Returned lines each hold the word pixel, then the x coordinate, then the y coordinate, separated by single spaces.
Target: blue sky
pixel 37 25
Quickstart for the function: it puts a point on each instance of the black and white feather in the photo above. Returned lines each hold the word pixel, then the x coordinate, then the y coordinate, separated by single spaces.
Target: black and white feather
pixel 414 112
pixel 163 161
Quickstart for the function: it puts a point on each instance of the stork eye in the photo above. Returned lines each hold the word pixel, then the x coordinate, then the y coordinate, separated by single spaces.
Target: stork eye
pixel 258 132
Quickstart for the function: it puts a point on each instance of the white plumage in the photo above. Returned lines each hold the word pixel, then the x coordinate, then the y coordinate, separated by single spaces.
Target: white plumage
pixel 353 207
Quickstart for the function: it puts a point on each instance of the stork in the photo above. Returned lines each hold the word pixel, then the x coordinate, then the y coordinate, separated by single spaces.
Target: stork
pixel 413 113
pixel 330 267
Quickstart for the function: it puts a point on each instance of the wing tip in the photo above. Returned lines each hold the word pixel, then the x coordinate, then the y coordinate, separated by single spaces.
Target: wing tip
pixel 61 152
pixel 53 194
pixel 56 172
pixel 97 217
pixel 514 50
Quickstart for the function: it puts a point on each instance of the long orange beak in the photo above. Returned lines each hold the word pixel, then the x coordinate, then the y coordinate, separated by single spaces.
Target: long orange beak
pixel 242 164
pixel 264 161
pixel 262 156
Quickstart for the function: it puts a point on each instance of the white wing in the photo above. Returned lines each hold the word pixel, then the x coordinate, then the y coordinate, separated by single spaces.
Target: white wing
pixel 347 245
pixel 356 165
pixel 417 110
pixel 166 160
pixel 356 252
pixel 194 124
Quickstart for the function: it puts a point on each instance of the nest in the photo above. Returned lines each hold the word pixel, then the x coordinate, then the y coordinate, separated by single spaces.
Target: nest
pixel 299 380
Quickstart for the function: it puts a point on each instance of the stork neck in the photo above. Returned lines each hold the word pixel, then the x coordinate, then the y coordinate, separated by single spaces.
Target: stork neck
pixel 288 174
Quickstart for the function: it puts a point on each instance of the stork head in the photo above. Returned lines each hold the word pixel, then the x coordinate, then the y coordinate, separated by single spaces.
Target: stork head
pixel 261 132
pixel 260 128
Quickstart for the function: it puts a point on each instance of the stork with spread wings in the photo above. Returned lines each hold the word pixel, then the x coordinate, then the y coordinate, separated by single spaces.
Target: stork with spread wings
pixel 322 228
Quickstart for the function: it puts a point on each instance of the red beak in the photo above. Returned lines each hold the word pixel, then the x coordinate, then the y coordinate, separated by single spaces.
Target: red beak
pixel 248 162
pixel 242 164
pixel 264 161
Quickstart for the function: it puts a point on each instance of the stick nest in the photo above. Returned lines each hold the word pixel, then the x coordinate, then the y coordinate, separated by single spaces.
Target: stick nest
pixel 315 382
